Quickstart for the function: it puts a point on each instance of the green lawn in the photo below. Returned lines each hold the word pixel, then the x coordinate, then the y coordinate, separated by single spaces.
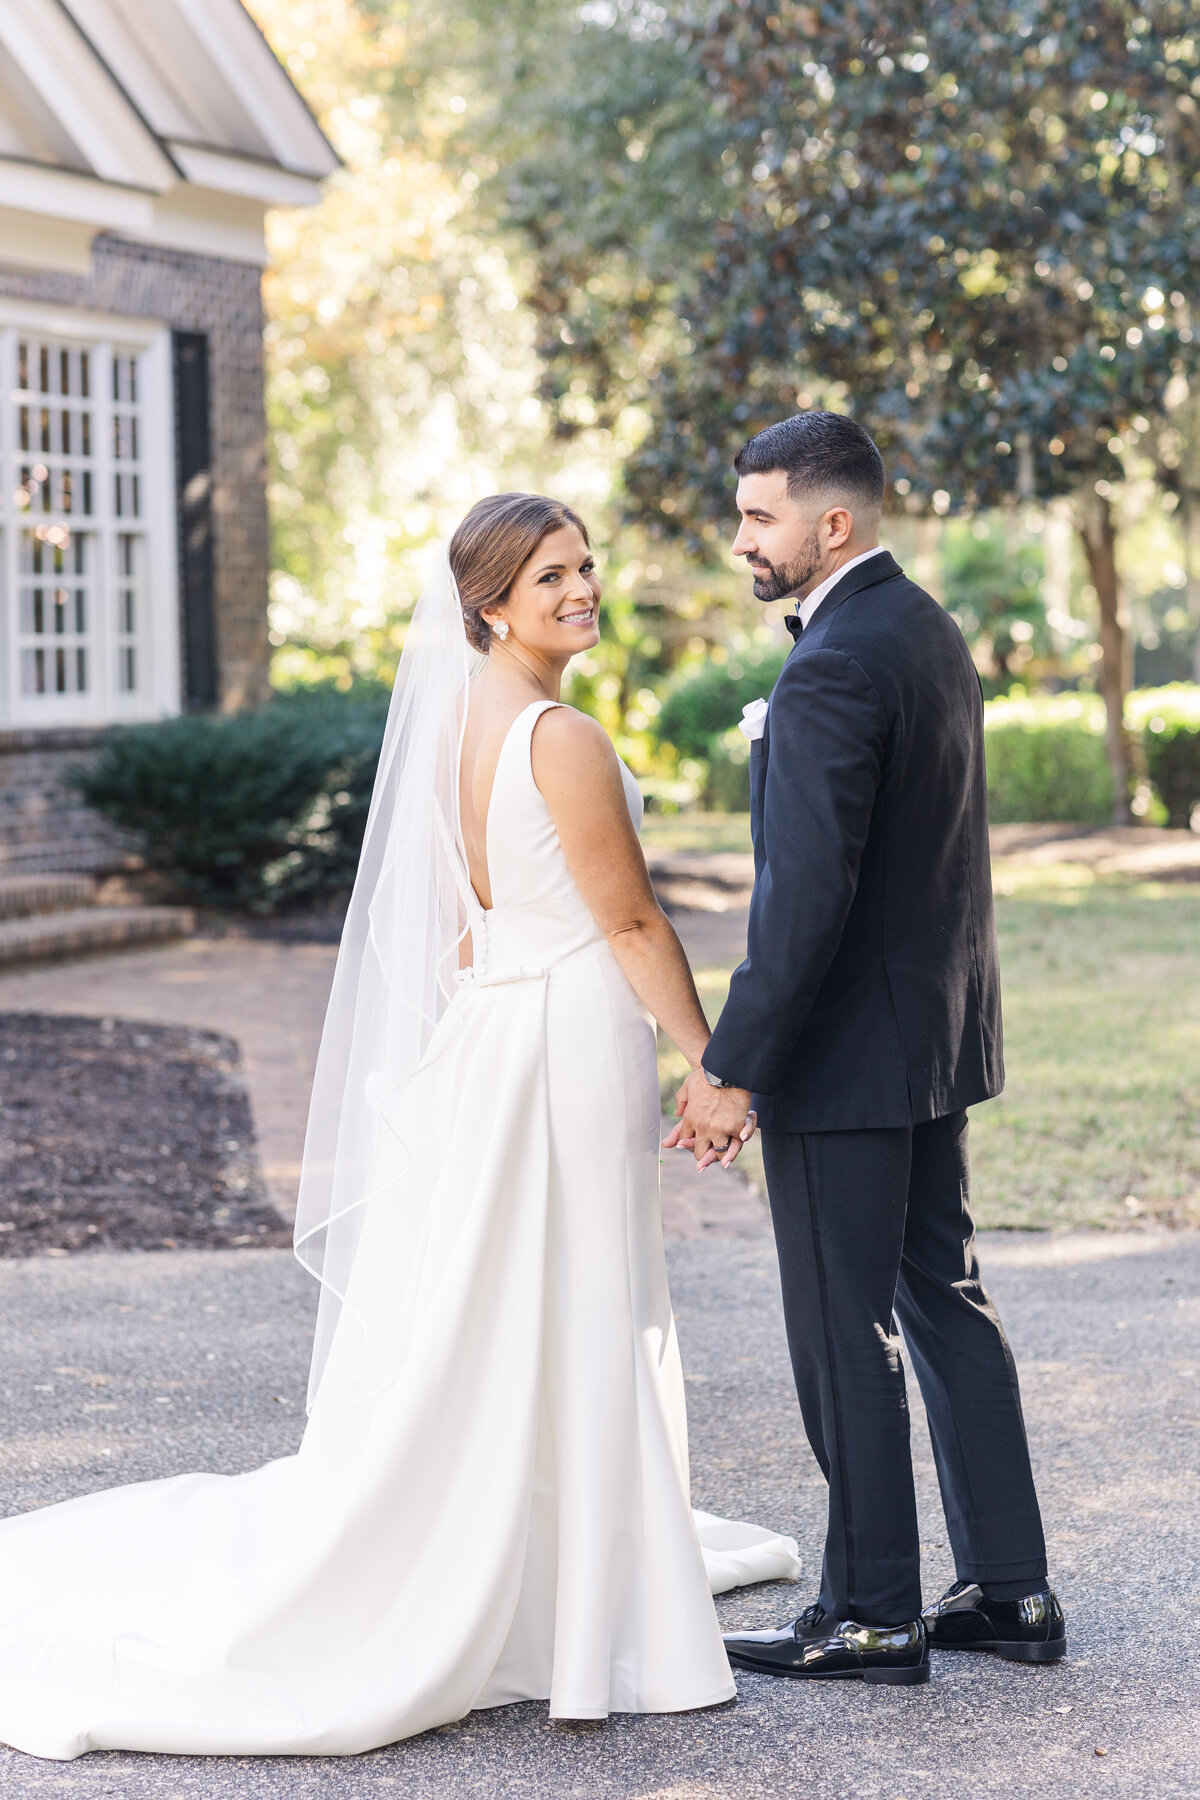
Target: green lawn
pixel 1100 1121
pixel 667 832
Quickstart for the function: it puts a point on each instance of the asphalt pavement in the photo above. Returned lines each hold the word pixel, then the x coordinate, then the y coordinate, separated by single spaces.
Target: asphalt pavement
pixel 120 1367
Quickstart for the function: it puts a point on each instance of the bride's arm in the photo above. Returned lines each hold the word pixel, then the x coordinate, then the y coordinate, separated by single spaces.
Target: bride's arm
pixel 576 769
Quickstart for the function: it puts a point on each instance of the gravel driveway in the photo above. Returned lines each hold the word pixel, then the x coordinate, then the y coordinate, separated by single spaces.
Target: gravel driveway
pixel 118 1367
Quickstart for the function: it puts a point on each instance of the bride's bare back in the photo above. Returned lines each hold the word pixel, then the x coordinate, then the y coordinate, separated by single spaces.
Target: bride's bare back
pixel 550 614
pixel 490 718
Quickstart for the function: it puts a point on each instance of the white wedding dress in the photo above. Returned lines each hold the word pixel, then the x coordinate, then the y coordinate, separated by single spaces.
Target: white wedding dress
pixel 500 1510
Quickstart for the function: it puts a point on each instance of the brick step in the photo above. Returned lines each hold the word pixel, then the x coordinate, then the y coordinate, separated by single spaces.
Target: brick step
pixel 22 895
pixel 87 850
pixel 89 928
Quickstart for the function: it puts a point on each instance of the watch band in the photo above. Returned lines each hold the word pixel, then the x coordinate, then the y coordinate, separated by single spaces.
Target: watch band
pixel 713 1080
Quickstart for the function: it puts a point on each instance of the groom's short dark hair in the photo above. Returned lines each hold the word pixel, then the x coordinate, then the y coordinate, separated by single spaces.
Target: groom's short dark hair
pixel 817 451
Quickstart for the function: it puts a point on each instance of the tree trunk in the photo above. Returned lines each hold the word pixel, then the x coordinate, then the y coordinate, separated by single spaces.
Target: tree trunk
pixel 1189 519
pixel 1058 533
pixel 1098 533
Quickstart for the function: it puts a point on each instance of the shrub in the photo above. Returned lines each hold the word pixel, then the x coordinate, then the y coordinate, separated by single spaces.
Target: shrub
pixel 1046 760
pixel 327 841
pixel 1169 721
pixel 249 810
pixel 708 700
pixel 727 782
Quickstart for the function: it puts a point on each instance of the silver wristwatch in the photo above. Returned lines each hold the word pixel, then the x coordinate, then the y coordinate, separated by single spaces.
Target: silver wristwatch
pixel 714 1080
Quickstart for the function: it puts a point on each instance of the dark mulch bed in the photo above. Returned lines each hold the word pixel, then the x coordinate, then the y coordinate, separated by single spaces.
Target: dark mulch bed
pixel 121 1136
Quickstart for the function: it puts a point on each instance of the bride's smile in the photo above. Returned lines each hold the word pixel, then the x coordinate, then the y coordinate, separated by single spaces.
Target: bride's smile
pixel 552 610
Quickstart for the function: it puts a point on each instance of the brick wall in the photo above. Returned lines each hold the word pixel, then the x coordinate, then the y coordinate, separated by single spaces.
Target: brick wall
pixel 222 299
pixel 44 825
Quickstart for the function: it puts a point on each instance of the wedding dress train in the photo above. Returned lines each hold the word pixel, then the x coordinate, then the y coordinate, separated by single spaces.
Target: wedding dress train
pixel 491 1500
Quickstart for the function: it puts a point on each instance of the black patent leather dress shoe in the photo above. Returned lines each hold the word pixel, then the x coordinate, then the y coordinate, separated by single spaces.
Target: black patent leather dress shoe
pixel 1030 1630
pixel 819 1647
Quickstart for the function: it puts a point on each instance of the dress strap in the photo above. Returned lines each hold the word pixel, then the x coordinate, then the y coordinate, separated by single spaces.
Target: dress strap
pixel 519 742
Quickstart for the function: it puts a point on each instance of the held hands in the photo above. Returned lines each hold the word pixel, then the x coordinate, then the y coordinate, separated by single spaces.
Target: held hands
pixel 714 1123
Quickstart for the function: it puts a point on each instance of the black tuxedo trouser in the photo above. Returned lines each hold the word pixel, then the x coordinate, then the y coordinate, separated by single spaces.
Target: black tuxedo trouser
pixel 874 1227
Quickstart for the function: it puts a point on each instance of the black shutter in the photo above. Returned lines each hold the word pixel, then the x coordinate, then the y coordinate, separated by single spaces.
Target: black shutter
pixel 193 489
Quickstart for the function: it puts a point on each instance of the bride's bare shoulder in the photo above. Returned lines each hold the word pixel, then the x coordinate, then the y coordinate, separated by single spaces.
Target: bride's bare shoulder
pixel 568 746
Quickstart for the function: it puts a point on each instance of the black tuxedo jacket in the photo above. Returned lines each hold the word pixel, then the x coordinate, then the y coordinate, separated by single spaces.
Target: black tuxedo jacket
pixel 870 993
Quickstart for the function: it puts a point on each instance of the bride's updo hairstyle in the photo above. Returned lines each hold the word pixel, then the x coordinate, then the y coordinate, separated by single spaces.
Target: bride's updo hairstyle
pixel 492 546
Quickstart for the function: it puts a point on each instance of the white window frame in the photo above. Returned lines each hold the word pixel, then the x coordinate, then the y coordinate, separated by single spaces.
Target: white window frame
pixel 159 686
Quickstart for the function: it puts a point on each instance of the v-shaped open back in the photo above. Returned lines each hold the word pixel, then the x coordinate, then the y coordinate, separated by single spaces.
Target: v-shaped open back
pixel 517 740
pixel 538 915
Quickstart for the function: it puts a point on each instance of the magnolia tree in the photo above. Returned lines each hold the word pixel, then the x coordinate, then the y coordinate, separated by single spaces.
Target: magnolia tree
pixel 976 225
pixel 983 222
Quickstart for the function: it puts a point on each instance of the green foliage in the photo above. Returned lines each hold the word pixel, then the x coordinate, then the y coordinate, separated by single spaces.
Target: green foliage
pixel 993 591
pixel 972 224
pixel 605 161
pixel 323 856
pixel 213 800
pixel 1170 721
pixel 1046 760
pixel 727 779
pixel 698 719
pixel 401 379
pixel 1166 638
pixel 249 811
pixel 708 700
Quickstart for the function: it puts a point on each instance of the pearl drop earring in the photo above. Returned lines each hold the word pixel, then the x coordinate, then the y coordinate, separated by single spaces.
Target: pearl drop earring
pixel 501 630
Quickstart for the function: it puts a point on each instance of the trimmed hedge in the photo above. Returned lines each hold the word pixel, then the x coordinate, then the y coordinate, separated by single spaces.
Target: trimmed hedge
pixel 324 856
pixel 727 781
pixel 1168 719
pixel 1046 760
pixel 252 810
pixel 1046 756
pixel 1045 752
pixel 708 700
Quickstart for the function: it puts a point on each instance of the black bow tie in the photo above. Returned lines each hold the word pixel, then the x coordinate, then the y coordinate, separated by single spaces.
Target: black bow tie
pixel 795 624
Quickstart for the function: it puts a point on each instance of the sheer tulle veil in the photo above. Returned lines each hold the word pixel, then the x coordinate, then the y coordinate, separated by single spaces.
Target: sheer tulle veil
pixel 396 965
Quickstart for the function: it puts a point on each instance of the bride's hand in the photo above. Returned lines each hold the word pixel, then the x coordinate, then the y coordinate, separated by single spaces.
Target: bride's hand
pixel 714 1123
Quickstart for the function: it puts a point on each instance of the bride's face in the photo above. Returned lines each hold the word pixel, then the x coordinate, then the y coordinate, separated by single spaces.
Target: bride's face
pixel 553 607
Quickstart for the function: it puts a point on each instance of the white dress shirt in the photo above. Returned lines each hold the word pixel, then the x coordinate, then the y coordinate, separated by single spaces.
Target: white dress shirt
pixel 808 607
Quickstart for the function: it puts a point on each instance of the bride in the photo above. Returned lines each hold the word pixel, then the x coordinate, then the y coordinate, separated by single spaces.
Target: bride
pixel 490 1502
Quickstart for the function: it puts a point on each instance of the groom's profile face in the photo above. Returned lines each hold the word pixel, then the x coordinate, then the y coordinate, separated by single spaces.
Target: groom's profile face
pixel 780 536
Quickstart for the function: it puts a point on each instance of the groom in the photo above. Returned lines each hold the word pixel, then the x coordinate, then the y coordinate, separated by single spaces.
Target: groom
pixel 862 1024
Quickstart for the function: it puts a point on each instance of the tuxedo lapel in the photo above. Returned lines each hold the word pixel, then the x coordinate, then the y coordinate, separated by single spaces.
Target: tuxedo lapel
pixel 866 575
pixel 758 782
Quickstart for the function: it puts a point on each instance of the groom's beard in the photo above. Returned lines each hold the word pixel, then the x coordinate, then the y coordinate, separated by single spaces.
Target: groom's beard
pixel 785 579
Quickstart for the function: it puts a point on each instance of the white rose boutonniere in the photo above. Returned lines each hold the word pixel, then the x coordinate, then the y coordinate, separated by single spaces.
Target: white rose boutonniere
pixel 753 719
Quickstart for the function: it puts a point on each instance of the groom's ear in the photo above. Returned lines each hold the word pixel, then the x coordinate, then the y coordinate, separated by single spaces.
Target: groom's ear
pixel 837 526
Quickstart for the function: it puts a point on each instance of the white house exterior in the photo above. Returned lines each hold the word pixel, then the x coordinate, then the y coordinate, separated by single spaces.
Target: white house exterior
pixel 141 143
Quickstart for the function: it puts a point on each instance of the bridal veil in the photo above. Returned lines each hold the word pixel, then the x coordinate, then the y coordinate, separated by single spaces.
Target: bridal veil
pixel 399 952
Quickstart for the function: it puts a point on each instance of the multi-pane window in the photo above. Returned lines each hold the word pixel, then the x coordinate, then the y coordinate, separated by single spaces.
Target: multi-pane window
pixel 75 526
pixel 54 412
pixel 127 481
pixel 55 610
pixel 129 560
